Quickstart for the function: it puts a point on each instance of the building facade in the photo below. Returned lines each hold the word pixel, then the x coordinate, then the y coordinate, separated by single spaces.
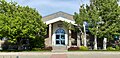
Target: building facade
pixel 57 33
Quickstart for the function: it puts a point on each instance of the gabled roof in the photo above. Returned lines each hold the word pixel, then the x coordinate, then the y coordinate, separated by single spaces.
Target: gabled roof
pixel 58 14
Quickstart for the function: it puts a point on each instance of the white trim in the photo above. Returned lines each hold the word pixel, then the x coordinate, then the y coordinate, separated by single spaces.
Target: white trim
pixel 60 19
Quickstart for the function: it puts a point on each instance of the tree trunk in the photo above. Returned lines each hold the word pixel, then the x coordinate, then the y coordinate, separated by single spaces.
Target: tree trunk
pixel 84 36
pixel 95 43
pixel 78 39
pixel 70 38
pixel 104 43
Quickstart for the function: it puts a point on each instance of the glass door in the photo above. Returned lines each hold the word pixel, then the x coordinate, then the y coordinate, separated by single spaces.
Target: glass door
pixel 60 37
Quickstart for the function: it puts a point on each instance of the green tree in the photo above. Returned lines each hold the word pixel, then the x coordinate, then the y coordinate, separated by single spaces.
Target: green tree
pixel 108 18
pixel 108 13
pixel 80 18
pixel 103 18
pixel 18 22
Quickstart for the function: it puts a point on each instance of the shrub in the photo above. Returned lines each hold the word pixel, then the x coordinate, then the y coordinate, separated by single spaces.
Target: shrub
pixel 48 48
pixel 83 48
pixel 43 49
pixel 117 47
pixel 110 49
pixel 73 48
pixel 36 49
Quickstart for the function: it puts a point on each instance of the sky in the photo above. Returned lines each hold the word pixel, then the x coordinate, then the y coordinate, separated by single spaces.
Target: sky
pixel 46 7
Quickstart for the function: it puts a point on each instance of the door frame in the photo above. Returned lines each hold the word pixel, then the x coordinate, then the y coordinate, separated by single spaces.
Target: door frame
pixel 54 38
pixel 60 39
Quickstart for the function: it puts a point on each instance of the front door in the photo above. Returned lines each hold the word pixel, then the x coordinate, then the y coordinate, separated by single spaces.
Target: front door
pixel 60 37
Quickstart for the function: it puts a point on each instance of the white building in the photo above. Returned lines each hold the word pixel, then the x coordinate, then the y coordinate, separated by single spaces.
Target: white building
pixel 57 33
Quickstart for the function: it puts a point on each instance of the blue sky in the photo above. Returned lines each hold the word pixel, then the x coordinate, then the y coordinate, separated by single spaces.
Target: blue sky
pixel 46 7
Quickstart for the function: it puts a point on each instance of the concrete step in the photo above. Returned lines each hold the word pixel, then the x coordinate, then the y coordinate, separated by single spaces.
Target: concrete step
pixel 59 48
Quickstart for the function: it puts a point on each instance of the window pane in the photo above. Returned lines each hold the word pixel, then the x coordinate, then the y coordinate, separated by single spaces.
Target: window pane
pixel 57 42
pixel 60 31
pixel 62 36
pixel 63 42
pixel 57 36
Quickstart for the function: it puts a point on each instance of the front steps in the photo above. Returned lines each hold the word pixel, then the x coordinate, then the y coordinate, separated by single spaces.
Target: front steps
pixel 59 48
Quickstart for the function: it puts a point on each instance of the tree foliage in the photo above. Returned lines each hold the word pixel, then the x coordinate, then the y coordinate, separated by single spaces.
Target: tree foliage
pixel 81 17
pixel 107 16
pixel 103 17
pixel 69 26
pixel 18 22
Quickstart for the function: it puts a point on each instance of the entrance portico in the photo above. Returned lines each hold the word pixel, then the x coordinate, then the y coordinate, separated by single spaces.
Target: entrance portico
pixel 59 34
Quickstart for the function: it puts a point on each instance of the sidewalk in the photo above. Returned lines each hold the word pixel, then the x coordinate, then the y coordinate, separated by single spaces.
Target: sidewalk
pixel 84 54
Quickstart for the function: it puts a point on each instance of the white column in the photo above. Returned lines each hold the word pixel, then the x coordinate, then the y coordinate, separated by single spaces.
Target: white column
pixel 119 37
pixel 66 39
pixel 53 40
pixel 1 42
pixel 50 36
pixel 95 43
pixel 84 36
pixel 104 43
pixel 78 39
pixel 70 38
pixel 0 45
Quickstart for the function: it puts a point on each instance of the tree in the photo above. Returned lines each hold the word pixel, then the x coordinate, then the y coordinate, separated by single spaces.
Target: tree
pixel 103 18
pixel 94 20
pixel 107 18
pixel 18 22
pixel 69 27
pixel 81 17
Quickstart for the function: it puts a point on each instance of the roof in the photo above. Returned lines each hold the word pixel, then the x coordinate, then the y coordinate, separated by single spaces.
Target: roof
pixel 58 14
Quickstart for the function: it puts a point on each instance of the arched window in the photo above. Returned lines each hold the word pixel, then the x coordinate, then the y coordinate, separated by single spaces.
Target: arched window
pixel 60 31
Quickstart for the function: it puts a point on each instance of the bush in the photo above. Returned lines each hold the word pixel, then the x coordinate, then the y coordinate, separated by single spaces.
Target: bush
pixel 73 48
pixel 48 48
pixel 117 47
pixel 43 49
pixel 83 48
pixel 110 49
pixel 36 49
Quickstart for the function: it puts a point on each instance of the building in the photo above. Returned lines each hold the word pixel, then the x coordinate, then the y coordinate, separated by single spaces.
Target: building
pixel 57 33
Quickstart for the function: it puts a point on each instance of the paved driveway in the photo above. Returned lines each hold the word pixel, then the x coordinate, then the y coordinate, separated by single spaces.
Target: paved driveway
pixel 60 55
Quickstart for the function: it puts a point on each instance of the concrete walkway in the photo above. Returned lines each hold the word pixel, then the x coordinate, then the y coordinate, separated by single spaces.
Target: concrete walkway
pixel 89 54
